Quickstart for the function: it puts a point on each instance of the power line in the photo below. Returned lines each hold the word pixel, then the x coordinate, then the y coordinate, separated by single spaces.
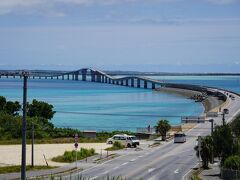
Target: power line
pixel 118 114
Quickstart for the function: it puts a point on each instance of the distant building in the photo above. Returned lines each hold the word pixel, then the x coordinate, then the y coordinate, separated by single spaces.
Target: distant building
pixel 90 134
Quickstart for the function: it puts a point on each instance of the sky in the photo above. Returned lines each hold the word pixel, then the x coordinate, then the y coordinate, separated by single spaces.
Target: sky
pixel 143 35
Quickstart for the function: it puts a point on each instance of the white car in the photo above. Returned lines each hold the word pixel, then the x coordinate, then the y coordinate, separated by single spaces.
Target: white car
pixel 179 137
pixel 124 139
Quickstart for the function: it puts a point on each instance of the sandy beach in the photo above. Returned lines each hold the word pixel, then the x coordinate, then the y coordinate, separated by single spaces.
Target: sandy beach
pixel 11 154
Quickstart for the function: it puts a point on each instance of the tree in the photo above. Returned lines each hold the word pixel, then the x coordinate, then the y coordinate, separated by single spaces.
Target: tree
pixel 2 103
pixel 40 109
pixel 223 141
pixel 235 126
pixel 205 151
pixel 12 108
pixel 163 127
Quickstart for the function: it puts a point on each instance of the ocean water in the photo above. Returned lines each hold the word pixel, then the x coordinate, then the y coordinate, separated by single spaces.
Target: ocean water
pixel 231 83
pixel 105 107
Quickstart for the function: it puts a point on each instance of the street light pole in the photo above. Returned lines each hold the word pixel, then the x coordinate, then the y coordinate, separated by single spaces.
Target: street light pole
pixel 24 125
pixel 223 118
pixel 32 144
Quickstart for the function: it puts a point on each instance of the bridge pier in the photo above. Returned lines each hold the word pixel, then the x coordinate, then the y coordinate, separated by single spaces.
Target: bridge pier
pixel 106 79
pixel 57 77
pixel 145 84
pixel 102 79
pixel 68 77
pixel 117 82
pixel 73 77
pixel 121 82
pixel 138 83
pixel 132 82
pixel 153 86
pixel 51 77
pixel 109 81
pixel 39 77
pixel 45 77
pixel 62 77
pixel 84 74
pixel 98 77
pixel 92 76
pixel 126 84
pixel 7 76
pixel 76 75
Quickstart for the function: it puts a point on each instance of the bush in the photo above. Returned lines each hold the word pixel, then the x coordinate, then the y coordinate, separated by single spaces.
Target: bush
pixel 70 156
pixel 232 162
pixel 116 146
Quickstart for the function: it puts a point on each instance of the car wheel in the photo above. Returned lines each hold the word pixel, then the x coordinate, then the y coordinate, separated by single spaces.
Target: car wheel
pixel 110 142
pixel 134 145
pixel 128 145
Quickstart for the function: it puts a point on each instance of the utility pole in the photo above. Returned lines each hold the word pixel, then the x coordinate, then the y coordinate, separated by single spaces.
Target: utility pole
pixel 32 144
pixel 211 120
pixel 24 125
pixel 223 118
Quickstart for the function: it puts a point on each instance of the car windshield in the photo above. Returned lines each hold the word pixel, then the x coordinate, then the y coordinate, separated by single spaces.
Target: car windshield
pixel 179 135
pixel 133 137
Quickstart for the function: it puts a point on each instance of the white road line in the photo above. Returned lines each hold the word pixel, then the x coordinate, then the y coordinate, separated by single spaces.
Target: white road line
pixel 116 167
pixel 140 156
pixel 105 172
pixel 124 163
pixel 93 178
pixel 133 160
pixel 176 171
pixel 151 170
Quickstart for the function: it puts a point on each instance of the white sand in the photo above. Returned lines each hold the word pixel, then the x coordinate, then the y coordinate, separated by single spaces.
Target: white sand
pixel 11 154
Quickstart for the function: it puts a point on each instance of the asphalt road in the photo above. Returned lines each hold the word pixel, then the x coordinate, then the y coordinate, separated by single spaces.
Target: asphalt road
pixel 169 161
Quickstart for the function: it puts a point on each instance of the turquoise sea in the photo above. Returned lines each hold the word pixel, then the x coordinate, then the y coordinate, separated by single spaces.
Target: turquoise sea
pixel 96 106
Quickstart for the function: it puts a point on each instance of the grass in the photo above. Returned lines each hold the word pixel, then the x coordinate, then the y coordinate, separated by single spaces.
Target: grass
pixel 101 138
pixel 116 146
pixel 11 169
pixel 52 141
pixel 70 156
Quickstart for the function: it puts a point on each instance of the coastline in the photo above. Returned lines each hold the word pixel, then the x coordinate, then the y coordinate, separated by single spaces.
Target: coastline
pixel 210 104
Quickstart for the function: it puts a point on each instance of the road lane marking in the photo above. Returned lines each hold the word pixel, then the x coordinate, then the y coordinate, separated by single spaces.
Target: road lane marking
pixel 93 178
pixel 133 160
pixel 116 167
pixel 151 170
pixel 105 172
pixel 176 171
pixel 124 163
pixel 140 156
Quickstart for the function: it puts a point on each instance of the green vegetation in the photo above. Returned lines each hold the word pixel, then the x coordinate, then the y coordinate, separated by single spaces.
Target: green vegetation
pixel 40 114
pixel 162 128
pixel 205 151
pixel 70 156
pixel 116 146
pixel 232 162
pixel 11 169
pixel 224 144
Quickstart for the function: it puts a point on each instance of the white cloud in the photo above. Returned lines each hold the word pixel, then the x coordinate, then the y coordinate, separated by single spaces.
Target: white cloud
pixel 23 6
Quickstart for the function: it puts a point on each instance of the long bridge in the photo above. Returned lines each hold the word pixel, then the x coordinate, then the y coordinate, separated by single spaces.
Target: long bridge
pixel 95 75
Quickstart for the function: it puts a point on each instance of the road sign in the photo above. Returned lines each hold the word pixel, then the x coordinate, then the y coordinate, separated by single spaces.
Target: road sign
pixel 76 138
pixel 193 119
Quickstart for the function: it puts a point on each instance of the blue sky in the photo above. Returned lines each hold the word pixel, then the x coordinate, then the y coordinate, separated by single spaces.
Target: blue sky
pixel 146 35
